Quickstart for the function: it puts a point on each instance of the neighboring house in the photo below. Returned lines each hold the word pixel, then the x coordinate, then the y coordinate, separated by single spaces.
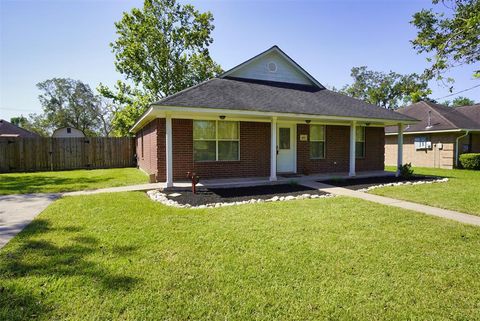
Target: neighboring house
pixel 8 129
pixel 67 132
pixel 264 117
pixel 436 141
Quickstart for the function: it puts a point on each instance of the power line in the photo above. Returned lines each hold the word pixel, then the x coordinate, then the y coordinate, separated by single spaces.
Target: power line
pixel 458 92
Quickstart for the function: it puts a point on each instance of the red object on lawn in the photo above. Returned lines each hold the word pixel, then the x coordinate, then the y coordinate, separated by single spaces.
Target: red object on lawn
pixel 195 179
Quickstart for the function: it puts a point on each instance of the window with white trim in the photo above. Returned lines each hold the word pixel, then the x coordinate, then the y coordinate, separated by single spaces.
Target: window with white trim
pixel 317 141
pixel 360 142
pixel 216 140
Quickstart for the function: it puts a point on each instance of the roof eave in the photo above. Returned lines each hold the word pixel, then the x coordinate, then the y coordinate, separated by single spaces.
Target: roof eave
pixel 157 110
pixel 454 130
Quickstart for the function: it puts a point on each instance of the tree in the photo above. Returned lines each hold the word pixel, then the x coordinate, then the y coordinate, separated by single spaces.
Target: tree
pixel 34 124
pixel 161 49
pixel 127 104
pixel 459 101
pixel 105 117
pixel 68 103
pixel 19 121
pixel 387 90
pixel 453 39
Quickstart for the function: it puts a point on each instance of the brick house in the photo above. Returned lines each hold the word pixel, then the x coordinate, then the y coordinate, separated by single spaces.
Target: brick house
pixel 439 138
pixel 264 117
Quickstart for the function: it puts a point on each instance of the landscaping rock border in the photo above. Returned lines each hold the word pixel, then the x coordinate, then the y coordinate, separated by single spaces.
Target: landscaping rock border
pixel 159 196
pixel 440 180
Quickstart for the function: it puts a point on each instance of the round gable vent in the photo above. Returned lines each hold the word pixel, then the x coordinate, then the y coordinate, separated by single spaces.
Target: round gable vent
pixel 272 67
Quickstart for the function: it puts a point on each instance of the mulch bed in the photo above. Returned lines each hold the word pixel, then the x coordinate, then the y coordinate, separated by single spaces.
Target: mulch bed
pixel 229 195
pixel 361 183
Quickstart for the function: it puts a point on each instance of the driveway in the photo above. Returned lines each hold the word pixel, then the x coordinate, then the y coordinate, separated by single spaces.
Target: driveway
pixel 17 211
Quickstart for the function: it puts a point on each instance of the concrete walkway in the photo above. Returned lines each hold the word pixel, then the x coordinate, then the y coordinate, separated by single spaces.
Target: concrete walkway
pixel 17 211
pixel 429 210
pixel 130 188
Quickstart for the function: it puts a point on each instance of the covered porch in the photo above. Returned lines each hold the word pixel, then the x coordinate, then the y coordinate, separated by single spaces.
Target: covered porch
pixel 271 146
pixel 287 154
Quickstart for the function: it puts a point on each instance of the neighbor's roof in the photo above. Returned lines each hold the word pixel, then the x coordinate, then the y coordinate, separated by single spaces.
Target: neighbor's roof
pixel 442 118
pixel 267 96
pixel 8 129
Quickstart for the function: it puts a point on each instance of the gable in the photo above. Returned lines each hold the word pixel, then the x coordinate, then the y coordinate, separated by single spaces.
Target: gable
pixel 272 65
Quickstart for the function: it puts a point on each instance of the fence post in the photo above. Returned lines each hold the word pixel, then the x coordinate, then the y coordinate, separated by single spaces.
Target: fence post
pixel 51 152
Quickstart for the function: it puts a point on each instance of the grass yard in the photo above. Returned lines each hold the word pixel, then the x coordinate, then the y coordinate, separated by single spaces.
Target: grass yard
pixel 66 181
pixel 122 256
pixel 460 193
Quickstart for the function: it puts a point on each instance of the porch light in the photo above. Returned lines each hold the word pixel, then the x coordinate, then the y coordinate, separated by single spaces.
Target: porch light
pixel 308 121
pixel 222 116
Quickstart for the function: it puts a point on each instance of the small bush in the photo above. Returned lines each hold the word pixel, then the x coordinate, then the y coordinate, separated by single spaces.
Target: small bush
pixel 406 170
pixel 470 161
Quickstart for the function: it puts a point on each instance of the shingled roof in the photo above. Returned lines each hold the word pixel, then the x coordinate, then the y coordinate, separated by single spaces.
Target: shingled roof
pixel 270 84
pixel 442 118
pixel 267 96
pixel 8 129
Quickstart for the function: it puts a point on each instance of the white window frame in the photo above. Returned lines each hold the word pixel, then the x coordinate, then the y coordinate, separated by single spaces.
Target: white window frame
pixel 361 141
pixel 310 140
pixel 218 140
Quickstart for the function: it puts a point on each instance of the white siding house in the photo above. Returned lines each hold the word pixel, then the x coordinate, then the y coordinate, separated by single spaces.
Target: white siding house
pixel 68 132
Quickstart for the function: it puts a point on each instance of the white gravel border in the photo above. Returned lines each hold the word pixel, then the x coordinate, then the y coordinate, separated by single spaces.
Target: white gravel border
pixel 159 196
pixel 440 180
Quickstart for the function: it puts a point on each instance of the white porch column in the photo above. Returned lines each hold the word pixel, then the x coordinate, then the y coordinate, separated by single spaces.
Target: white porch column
pixel 399 148
pixel 273 150
pixel 168 150
pixel 353 127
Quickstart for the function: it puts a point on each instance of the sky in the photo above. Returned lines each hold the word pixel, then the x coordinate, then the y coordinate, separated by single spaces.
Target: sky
pixel 42 39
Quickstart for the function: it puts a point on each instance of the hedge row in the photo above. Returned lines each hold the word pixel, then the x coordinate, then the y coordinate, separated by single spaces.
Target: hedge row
pixel 470 160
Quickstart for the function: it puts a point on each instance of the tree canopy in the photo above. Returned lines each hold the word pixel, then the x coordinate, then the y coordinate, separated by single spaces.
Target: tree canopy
pixel 68 103
pixel 161 48
pixel 452 38
pixel 388 90
pixel 459 101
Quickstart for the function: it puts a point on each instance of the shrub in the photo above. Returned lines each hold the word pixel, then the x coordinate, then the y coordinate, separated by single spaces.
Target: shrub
pixel 406 170
pixel 470 160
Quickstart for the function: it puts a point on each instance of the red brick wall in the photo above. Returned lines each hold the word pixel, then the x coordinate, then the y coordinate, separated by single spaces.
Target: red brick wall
pixel 337 151
pixel 182 148
pixel 254 153
pixel 374 150
pixel 152 160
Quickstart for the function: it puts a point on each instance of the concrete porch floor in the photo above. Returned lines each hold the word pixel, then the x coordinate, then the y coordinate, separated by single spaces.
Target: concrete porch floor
pixel 255 181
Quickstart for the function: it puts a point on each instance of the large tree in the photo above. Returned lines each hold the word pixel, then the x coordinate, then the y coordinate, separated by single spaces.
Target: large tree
pixel 451 37
pixel 161 49
pixel 67 103
pixel 388 90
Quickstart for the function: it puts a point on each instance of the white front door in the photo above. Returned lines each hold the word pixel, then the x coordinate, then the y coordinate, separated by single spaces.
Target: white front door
pixel 286 149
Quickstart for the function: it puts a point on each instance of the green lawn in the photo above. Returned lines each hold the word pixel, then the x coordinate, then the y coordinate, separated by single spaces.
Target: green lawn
pixel 124 257
pixel 65 181
pixel 460 193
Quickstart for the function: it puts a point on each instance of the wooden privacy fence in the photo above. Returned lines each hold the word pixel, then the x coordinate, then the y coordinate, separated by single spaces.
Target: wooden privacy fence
pixel 44 154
